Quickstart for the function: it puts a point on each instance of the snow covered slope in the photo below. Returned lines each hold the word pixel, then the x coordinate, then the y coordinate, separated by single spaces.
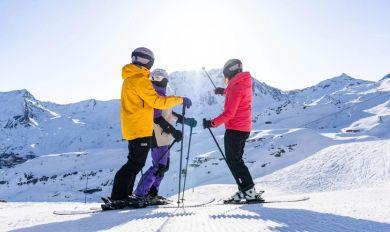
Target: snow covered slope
pixel 330 141
pixel 30 128
pixel 343 166
pixel 63 176
pixel 67 144
pixel 340 211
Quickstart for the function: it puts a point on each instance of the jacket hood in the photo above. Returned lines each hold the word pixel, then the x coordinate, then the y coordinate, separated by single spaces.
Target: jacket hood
pixel 242 78
pixel 131 69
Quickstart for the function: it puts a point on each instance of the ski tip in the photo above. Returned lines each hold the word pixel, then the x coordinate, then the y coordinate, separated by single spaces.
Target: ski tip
pixel 265 201
pixel 76 212
pixel 305 198
pixel 288 200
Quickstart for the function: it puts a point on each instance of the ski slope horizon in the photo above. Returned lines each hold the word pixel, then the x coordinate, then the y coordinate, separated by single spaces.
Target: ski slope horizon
pixel 205 80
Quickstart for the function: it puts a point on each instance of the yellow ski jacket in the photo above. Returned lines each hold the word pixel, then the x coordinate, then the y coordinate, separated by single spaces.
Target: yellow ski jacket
pixel 138 99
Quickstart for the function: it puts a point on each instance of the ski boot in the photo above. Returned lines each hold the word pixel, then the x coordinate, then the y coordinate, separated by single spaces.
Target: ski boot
pixel 114 204
pixel 251 196
pixel 106 200
pixel 236 198
pixel 163 198
pixel 131 201
pixel 156 200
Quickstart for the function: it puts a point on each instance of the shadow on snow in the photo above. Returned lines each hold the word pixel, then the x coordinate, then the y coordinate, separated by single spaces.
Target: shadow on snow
pixel 287 220
pixel 304 220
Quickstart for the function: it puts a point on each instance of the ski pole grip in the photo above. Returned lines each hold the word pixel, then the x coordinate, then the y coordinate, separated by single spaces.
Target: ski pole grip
pixel 183 112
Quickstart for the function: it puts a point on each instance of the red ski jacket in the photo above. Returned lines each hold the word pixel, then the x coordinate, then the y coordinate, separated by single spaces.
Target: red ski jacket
pixel 237 114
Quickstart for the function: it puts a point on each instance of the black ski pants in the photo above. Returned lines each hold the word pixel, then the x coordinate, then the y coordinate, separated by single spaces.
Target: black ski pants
pixel 234 150
pixel 125 177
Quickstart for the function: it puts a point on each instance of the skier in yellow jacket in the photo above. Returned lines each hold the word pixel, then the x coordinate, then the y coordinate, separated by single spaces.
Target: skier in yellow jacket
pixel 138 100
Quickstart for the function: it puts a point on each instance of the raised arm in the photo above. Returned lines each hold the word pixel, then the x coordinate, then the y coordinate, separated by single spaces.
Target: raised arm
pixel 149 95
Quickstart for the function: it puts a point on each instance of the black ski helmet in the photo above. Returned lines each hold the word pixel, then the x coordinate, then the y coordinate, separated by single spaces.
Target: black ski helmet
pixel 143 56
pixel 231 68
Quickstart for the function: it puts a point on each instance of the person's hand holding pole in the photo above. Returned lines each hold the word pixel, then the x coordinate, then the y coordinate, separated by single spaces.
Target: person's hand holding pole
pixel 219 91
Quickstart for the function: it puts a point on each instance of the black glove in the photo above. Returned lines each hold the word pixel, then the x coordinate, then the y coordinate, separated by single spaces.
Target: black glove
pixel 207 124
pixel 219 91
pixel 177 135
pixel 165 125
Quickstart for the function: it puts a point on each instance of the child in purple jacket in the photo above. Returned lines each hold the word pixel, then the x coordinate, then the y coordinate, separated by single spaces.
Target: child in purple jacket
pixel 163 135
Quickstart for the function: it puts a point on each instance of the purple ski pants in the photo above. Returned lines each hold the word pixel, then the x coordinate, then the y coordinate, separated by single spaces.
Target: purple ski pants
pixel 154 175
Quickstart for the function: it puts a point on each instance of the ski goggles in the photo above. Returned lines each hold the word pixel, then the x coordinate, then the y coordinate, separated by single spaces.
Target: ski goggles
pixel 157 77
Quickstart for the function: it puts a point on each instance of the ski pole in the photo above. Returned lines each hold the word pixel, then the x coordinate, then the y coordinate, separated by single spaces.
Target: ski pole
pixel 169 148
pixel 181 157
pixel 86 188
pixel 185 173
pixel 142 180
pixel 224 157
pixel 216 142
pixel 204 69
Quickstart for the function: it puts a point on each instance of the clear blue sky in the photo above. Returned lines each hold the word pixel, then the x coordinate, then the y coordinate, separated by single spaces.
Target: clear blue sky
pixel 71 50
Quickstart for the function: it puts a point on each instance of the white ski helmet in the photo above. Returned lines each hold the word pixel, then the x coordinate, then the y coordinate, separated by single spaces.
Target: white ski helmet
pixel 158 74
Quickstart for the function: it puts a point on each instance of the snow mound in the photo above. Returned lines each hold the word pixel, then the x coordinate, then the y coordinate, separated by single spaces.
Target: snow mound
pixel 343 166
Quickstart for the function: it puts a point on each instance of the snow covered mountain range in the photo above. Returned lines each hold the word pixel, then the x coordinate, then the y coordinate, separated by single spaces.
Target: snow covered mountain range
pixel 30 127
pixel 49 151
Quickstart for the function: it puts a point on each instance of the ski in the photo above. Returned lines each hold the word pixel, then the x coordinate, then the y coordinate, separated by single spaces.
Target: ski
pixel 189 205
pixel 171 205
pixel 265 201
pixel 165 206
pixel 76 212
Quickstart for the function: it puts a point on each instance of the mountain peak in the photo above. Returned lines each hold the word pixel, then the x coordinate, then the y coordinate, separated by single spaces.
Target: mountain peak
pixel 386 77
pixel 343 76
pixel 24 93
pixel 343 79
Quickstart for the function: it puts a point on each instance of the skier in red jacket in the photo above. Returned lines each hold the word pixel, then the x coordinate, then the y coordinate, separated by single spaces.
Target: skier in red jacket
pixel 237 117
